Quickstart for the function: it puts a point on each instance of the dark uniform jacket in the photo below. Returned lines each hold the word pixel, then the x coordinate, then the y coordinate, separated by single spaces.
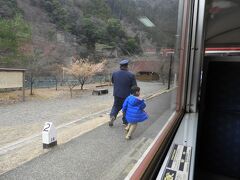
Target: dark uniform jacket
pixel 123 80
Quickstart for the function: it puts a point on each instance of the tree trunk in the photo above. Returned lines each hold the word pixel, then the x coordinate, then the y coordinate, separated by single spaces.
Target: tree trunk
pixel 56 81
pixel 71 92
pixel 31 84
pixel 31 92
pixel 82 86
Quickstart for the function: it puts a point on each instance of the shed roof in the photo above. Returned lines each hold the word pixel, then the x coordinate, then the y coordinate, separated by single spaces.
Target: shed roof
pixel 145 66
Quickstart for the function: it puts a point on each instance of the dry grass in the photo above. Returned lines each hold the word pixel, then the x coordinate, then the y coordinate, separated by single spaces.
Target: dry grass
pixel 10 97
pixel 44 94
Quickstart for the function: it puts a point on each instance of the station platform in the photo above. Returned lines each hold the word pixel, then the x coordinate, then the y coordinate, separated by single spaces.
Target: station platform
pixel 102 153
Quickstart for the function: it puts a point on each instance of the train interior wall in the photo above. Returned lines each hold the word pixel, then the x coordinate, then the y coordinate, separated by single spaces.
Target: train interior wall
pixel 218 144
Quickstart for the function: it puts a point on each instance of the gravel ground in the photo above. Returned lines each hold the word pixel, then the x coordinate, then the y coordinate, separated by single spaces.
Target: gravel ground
pixel 25 119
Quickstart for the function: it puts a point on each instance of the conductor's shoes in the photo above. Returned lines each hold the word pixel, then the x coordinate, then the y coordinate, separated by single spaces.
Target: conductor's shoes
pixel 111 121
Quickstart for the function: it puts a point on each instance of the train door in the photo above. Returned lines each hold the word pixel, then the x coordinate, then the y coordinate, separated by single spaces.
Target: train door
pixel 218 143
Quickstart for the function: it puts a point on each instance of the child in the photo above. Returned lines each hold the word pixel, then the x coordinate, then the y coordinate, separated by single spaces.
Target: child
pixel 133 107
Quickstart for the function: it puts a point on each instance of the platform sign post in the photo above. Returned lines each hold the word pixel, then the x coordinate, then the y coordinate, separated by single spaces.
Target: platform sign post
pixel 49 135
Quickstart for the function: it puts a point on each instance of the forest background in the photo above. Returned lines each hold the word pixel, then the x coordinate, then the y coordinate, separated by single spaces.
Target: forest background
pixel 43 36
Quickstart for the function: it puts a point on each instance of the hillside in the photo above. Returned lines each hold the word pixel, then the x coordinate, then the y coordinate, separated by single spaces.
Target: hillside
pixel 61 29
pixel 49 43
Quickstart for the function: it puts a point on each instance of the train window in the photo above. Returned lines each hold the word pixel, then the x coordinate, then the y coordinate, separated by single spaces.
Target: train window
pixel 70 50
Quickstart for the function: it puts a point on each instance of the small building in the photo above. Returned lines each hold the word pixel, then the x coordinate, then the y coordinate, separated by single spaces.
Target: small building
pixel 146 70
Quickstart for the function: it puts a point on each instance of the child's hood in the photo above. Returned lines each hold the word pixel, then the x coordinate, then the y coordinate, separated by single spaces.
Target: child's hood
pixel 133 100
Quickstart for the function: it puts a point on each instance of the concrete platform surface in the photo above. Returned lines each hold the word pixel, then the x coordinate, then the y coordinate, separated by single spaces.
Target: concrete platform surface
pixel 102 153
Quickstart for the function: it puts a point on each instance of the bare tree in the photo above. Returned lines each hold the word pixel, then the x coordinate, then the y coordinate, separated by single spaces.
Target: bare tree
pixel 82 70
pixel 56 72
pixel 71 85
pixel 34 69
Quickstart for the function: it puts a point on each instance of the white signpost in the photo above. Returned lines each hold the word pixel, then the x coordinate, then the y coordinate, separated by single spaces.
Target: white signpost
pixel 49 135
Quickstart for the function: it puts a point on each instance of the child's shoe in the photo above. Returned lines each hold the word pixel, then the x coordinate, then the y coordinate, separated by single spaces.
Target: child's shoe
pixel 131 129
pixel 128 137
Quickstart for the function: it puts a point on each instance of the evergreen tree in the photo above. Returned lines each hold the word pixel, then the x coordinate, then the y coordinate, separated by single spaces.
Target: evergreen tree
pixel 13 34
pixel 96 8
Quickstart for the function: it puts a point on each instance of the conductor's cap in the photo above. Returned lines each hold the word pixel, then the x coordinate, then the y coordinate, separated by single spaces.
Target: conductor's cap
pixel 124 62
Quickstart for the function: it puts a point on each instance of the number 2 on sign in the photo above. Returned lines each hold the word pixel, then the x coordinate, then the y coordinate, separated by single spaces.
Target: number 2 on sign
pixel 46 128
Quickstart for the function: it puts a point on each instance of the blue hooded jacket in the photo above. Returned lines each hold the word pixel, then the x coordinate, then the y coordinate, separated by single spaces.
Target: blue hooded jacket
pixel 133 108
